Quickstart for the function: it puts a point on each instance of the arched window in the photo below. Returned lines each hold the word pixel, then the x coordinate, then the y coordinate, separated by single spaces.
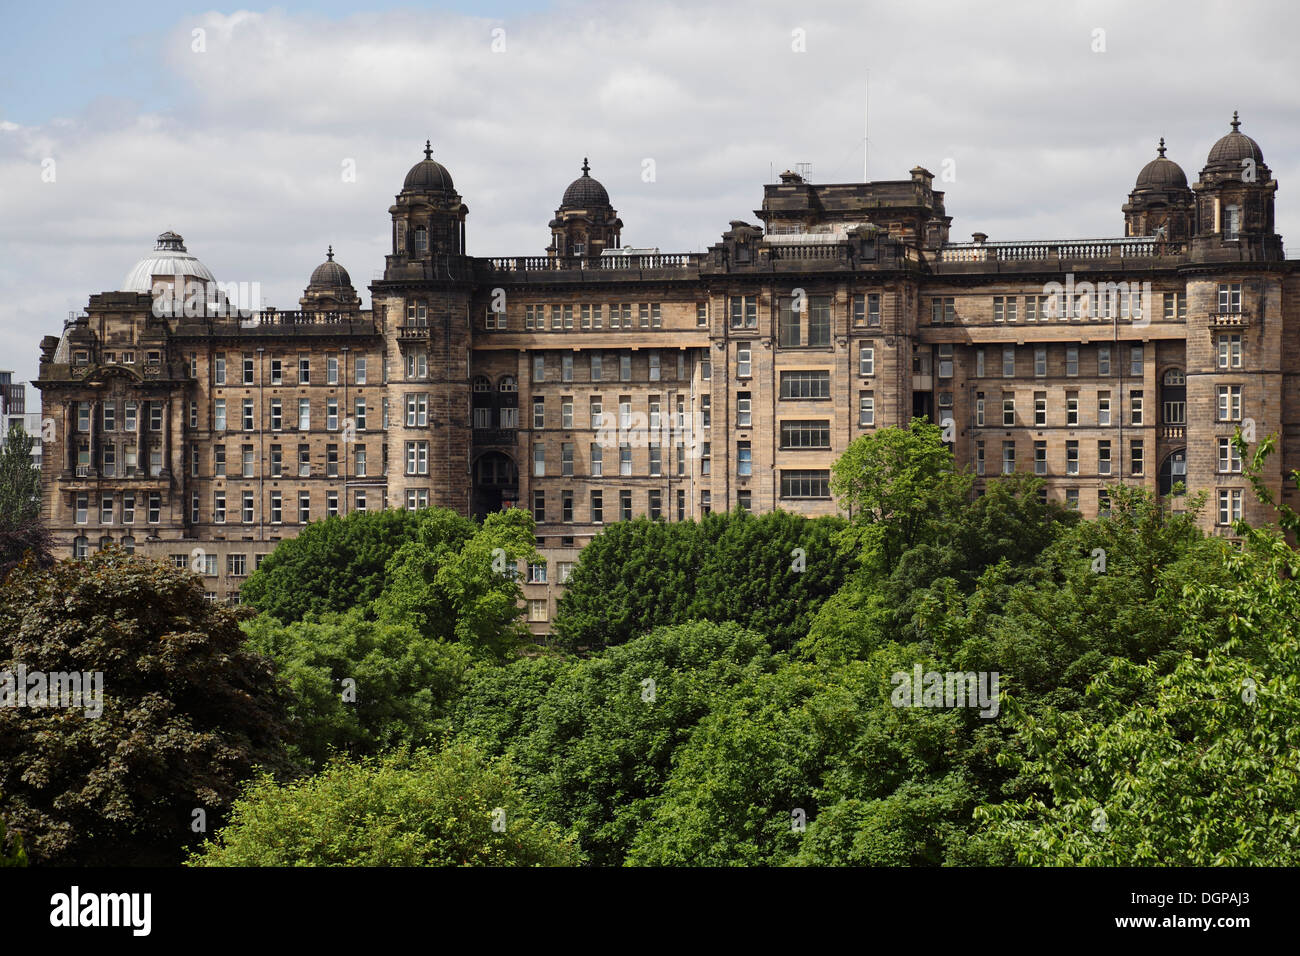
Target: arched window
pixel 1175 376
pixel 105 542
pixel 482 384
pixel 421 239
pixel 507 384
pixel 128 544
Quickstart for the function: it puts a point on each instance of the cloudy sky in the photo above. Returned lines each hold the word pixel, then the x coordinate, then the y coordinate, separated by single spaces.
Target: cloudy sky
pixel 234 127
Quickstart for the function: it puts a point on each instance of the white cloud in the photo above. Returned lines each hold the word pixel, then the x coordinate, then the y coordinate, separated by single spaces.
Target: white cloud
pixel 1046 135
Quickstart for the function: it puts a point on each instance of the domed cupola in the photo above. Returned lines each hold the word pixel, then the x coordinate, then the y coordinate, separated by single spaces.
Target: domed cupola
pixel 428 219
pixel 170 265
pixel 586 224
pixel 330 288
pixel 1160 204
pixel 428 173
pixel 1234 201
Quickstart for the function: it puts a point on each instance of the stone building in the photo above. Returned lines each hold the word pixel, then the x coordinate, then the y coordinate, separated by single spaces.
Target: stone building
pixel 598 382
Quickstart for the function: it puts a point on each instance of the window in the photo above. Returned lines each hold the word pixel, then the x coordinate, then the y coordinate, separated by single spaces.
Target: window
pixel 1229 505
pixel 539 460
pixel 566 367
pixel 873 308
pixel 1135 360
pixel 706 458
pixel 655 504
pixel 979 363
pixel 539 412
pixel 246 457
pixel 1229 457
pixel 417 457
pixel 304 369
pixel 625 367
pixel 1072 361
pixel 1040 408
pixel 1229 404
pixel 219 415
pixel 597 507
pixel 805 484
pixel 819 321
pixel 219 370
pixel 247 416
pixel 277 507
pixel 744 366
pixel 417 366
pixel 304 507
pixel 248 370
pixel 625 459
pixel 624 411
pixel 421 243
pixel 1009 362
pixel 1008 457
pixel 943 310
pixel 128 422
pixel 566 506
pixel 867 358
pixel 744 459
pixel 304 414
pixel 1137 458
pixel 277 415
pixel 539 506
pixel 1004 308
pixel 1231 221
pixel 417 498
pixel 1072 498
pixel 246 509
pixel 945 361
pixel 1103 408
pixel 417 410
pixel 360 370
pixel 359 457
pixel 1072 409
pixel 360 415
pixel 1040 458
pixel 1230 294
pixel 537 573
pixel 155 507
pixel 106 509
pixel 653 359
pixel 1135 406
pixel 979 409
pixel 539 368
pixel 812 384
pixel 1229 351
pixel 743 311
pixel 1103 457
pixel 1103 360
pixel 1175 307
pixel 595 367
pixel 1008 409
pixel 979 458
pixel 706 411
pixel 701 314
pixel 815 433
pixel 331 461
pixel 744 414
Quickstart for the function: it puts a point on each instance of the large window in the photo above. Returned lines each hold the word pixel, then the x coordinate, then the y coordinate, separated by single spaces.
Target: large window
pixel 805 484
pixel 814 433
pixel 809 384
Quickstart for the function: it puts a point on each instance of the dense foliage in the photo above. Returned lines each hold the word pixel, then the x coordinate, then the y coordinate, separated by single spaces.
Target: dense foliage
pixel 22 532
pixel 187 711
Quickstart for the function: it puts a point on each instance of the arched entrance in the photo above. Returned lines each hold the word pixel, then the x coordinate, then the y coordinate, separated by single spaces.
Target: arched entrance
pixel 1173 470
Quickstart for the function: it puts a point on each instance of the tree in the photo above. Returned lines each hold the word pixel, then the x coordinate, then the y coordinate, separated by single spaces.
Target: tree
pixel 21 529
pixel 187 711
pixel 464 589
pixel 361 686
pixel 338 563
pixel 896 483
pixel 604 736
pixel 422 808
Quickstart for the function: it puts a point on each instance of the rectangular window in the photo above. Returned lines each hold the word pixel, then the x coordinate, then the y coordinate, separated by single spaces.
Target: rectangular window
pixel 1103 457
pixel 1229 457
pixel 811 384
pixel 539 506
pixel 701 314
pixel 655 504
pixel 1040 362
pixel 360 415
pixel 360 370
pixel 625 505
pixel 867 358
pixel 1040 458
pixel 304 507
pixel 1229 351
pixel 1137 458
pixel 566 507
pixel 1072 408
pixel 1230 297
pixel 1008 458
pixel 277 461
pixel 417 410
pixel 1103 408
pixel 653 359
pixel 625 367
pixel 417 457
pixel 1103 360
pixel 1135 361
pixel 819 321
pixel 743 311
pixel 744 366
pixel 744 459
pixel 1135 407
pixel 219 370
pixel 539 412
pixel 1009 362
pixel 1008 409
pixel 1071 457
pixel 246 457
pixel 246 508
pixel 1229 404
pixel 1072 361
pixel 304 414
pixel 219 415
pixel 539 368
pixel 625 459
pixel 744 414
pixel 247 415
pixel 219 507
pixel 597 507
pixel 979 363
pixel 1229 505
pixel 277 415
pixel 566 367
pixel 805 484
pixel 1040 408
pixel 979 458
pixel 815 433
pixel 128 508
pixel 595 366
pixel 304 369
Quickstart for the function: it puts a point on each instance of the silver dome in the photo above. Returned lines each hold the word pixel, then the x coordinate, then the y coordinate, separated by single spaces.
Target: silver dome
pixel 169 262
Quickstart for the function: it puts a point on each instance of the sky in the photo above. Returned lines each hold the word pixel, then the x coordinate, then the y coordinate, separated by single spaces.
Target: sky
pixel 237 127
